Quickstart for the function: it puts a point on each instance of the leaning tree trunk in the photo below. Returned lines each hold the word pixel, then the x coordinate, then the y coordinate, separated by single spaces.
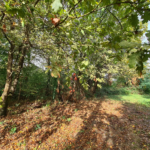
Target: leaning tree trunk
pixel 9 86
pixel 18 70
pixel 4 97
pixel 23 48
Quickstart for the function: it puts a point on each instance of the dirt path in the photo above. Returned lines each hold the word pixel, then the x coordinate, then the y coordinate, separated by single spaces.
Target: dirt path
pixel 86 125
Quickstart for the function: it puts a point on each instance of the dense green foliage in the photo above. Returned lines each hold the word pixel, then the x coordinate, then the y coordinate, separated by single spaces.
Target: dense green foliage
pixel 145 84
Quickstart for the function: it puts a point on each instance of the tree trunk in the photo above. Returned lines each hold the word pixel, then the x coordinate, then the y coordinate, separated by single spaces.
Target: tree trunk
pixel 90 84
pixel 80 87
pixel 54 87
pixel 93 89
pixel 48 79
pixel 4 97
pixel 20 88
pixel 59 90
pixel 23 48
pixel 109 82
pixel 19 67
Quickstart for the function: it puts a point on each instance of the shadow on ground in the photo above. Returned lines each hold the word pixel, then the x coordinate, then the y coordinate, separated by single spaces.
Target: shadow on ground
pixel 95 124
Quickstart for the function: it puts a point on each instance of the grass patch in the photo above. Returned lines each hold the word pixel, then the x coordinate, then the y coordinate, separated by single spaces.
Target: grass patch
pixel 132 98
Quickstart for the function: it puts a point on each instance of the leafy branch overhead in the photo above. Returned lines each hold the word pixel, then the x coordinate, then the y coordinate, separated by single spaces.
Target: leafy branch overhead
pixel 56 5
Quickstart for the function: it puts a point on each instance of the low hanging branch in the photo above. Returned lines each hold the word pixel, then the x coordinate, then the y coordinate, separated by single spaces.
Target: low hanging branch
pixel 3 15
pixel 69 12
pixel 6 37
pixel 36 3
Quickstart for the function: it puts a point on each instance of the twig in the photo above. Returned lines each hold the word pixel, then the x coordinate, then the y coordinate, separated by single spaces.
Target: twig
pixel 116 18
pixel 2 16
pixel 36 3
pixel 7 38
pixel 94 10
pixel 88 12
pixel 69 12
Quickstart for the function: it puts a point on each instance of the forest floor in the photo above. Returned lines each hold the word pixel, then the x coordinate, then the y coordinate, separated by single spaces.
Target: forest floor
pixel 97 124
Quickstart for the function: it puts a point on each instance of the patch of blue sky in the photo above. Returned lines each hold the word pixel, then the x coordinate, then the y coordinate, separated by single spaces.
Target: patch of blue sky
pixel 144 38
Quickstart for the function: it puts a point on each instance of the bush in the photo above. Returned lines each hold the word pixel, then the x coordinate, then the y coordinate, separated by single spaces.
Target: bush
pixel 107 90
pixel 145 84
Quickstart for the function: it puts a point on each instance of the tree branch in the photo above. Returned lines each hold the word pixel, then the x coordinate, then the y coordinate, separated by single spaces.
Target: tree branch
pixel 7 38
pixel 36 3
pixel 69 13
pixel 2 16
pixel 116 18
pixel 94 10
pixel 88 12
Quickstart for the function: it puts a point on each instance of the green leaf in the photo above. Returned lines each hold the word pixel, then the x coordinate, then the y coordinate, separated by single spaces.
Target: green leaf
pixel 0 99
pixel 81 131
pixel 56 4
pixel 148 35
pixel 146 17
pixel 54 73
pixel 134 20
pixel 139 67
pixel 13 130
pixel 106 2
pixel 99 85
pixel 1 123
pixel 76 110
pixel 85 62
pixel 102 9
pixel 133 50
pixel 68 119
pixel 21 13
pixel 82 32
pixel 76 1
pixel 12 11
pixel 145 57
pixel 22 23
pixel 133 60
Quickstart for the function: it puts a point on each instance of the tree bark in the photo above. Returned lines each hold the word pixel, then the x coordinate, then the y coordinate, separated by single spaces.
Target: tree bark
pixel 48 79
pixel 109 82
pixel 93 89
pixel 80 87
pixel 59 91
pixel 4 97
pixel 17 74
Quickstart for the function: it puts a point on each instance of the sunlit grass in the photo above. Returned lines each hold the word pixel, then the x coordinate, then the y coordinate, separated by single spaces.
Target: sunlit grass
pixel 133 98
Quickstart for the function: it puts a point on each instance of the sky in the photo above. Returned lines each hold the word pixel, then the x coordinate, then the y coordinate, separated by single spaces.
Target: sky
pixel 144 39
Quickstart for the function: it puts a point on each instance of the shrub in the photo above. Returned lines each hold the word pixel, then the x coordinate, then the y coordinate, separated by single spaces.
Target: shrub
pixel 145 84
pixel 106 90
